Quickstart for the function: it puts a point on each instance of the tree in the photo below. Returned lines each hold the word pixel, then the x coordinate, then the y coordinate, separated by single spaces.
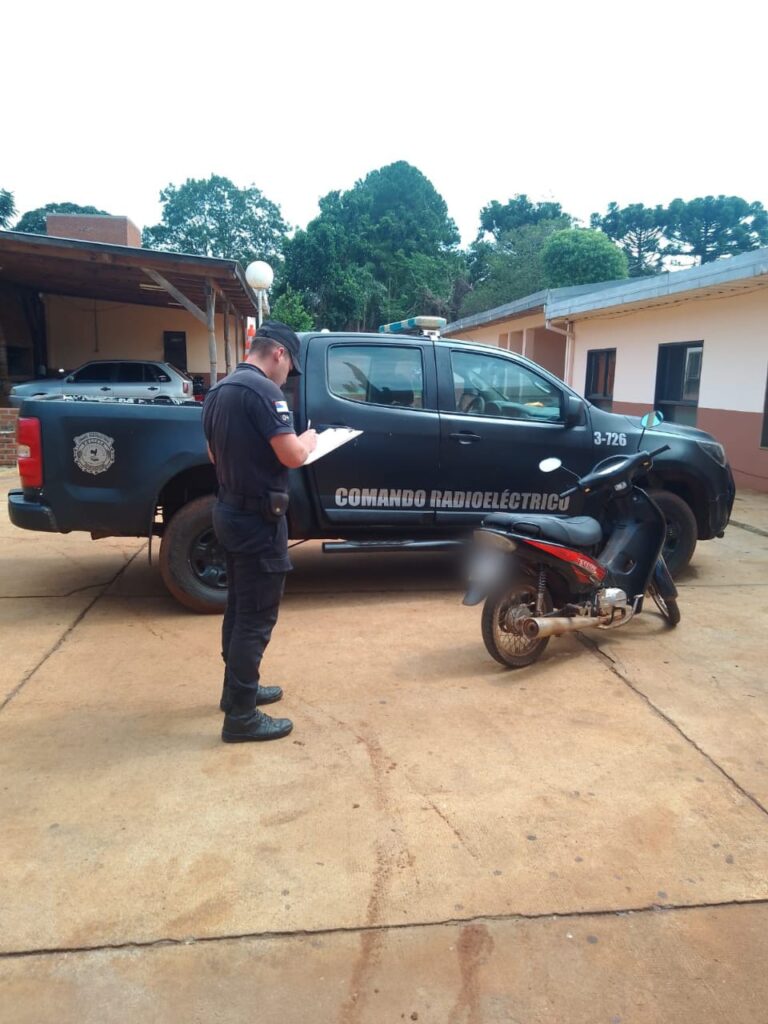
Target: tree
pixel 509 268
pixel 33 221
pixel 7 207
pixel 213 217
pixel 498 219
pixel 639 231
pixel 290 309
pixel 714 226
pixel 579 256
pixel 381 251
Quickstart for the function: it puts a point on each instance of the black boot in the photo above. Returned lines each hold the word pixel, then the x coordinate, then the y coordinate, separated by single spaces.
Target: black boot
pixel 264 695
pixel 244 725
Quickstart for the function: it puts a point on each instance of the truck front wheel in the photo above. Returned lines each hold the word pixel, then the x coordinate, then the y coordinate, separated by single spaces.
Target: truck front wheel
pixel 682 531
pixel 192 562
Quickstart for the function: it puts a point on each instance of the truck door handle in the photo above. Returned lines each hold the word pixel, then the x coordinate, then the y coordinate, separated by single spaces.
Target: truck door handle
pixel 465 437
pixel 153 389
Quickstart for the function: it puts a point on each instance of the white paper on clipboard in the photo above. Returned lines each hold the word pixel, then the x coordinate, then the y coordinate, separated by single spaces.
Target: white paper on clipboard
pixel 330 440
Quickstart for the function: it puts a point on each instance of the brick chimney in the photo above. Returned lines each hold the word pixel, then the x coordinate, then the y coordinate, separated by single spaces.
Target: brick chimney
pixel 91 227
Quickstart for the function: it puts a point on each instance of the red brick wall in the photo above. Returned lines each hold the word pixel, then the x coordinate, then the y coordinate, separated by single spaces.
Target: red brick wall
pixel 93 228
pixel 740 433
pixel 8 419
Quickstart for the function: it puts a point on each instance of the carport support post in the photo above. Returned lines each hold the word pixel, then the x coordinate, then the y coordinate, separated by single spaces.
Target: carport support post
pixel 210 304
pixel 227 346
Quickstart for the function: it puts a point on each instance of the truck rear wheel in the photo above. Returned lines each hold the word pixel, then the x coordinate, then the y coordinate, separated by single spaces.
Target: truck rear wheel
pixel 192 562
pixel 682 531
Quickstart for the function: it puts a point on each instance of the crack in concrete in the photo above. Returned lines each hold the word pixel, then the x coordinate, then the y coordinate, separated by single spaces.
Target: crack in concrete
pixel 458 922
pixel 52 650
pixel 748 528
pixel 611 665
pixel 55 597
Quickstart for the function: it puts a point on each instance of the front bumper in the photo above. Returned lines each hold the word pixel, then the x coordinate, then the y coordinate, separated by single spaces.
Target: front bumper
pixel 29 514
pixel 720 508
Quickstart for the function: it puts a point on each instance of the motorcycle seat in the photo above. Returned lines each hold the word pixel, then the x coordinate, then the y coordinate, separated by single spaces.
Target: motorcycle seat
pixel 578 531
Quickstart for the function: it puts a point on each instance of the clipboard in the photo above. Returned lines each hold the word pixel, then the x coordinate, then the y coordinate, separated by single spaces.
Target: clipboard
pixel 331 439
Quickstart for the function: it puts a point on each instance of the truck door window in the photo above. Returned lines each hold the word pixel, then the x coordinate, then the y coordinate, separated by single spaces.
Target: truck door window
pixel 377 374
pixel 491 386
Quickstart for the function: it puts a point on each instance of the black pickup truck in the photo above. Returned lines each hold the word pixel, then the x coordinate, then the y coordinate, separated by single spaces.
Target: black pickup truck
pixel 451 430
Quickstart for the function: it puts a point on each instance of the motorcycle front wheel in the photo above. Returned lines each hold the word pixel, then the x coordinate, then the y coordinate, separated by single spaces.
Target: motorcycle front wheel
pixel 667 606
pixel 503 614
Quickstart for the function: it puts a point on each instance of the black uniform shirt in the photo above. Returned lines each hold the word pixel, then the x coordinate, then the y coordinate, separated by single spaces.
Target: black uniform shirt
pixel 240 415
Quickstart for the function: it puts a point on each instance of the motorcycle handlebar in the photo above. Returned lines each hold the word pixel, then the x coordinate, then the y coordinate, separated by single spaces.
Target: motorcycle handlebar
pixel 639 457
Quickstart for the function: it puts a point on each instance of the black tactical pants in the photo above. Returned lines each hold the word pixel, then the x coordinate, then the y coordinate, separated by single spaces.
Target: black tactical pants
pixel 257 562
pixel 253 603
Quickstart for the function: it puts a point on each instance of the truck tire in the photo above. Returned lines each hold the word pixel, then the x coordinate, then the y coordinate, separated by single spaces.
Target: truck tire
pixel 682 531
pixel 192 562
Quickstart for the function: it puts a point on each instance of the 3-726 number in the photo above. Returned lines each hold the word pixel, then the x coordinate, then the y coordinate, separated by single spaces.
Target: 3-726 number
pixel 611 438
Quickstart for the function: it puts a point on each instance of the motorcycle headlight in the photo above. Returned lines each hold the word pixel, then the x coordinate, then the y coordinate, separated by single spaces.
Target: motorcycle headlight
pixel 714 450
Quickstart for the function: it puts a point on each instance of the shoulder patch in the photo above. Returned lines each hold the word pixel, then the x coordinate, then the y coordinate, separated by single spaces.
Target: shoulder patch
pixel 280 406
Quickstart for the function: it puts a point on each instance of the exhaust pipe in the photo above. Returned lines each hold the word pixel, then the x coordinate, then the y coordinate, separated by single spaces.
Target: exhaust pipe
pixel 533 629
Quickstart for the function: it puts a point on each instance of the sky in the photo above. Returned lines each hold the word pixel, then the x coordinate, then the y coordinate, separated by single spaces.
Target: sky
pixel 583 103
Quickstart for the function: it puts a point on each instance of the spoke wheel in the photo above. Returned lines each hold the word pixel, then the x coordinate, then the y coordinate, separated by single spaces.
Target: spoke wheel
pixel 503 615
pixel 667 606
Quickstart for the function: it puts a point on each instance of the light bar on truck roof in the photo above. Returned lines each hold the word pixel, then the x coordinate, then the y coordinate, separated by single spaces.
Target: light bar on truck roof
pixel 414 323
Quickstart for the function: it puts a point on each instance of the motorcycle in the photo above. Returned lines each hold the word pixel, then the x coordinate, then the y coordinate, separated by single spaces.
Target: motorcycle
pixel 545 575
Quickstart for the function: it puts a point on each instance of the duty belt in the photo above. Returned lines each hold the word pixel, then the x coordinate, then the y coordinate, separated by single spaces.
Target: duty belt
pixel 244 502
pixel 271 505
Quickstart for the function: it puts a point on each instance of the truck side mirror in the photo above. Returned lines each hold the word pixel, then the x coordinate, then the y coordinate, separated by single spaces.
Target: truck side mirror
pixel 574 411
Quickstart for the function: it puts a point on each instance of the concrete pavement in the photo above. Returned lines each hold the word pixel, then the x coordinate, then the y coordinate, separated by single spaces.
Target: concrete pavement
pixel 438 840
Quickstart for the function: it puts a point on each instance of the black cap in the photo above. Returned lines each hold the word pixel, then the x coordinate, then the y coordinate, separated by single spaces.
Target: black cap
pixel 283 335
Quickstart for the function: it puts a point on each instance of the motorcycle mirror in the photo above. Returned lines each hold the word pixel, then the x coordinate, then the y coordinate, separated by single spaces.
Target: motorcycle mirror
pixel 549 465
pixel 652 419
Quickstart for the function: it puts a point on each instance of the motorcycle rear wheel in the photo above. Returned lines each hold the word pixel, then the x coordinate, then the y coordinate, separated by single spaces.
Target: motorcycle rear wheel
pixel 667 606
pixel 510 648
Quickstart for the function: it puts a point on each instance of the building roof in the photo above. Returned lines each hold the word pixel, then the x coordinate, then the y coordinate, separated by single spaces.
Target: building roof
pixel 734 274
pixel 528 304
pixel 66 266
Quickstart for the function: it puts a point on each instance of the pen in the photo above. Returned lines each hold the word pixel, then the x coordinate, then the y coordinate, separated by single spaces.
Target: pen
pixel 309 424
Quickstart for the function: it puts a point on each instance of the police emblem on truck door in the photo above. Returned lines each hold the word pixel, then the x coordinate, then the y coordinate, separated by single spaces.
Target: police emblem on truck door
pixel 94 453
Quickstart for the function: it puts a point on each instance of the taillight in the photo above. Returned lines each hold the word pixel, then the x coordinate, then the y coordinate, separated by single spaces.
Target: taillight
pixel 30 451
pixel 186 385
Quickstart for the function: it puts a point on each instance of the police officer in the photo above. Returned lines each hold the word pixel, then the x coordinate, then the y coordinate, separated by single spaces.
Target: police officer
pixel 252 443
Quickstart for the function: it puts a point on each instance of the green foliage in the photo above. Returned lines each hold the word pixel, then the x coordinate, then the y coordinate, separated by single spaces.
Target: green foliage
pixel 509 268
pixel 578 256
pixel 289 309
pixel 33 221
pixel 383 250
pixel 714 226
pixel 213 217
pixel 498 219
pixel 7 207
pixel 639 231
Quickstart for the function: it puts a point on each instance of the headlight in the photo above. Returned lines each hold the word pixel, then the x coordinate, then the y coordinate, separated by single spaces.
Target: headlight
pixel 714 450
